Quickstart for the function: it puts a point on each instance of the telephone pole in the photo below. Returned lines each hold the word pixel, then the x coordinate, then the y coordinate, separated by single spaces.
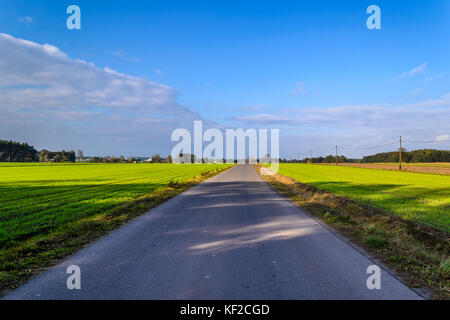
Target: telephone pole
pixel 336 157
pixel 311 157
pixel 400 155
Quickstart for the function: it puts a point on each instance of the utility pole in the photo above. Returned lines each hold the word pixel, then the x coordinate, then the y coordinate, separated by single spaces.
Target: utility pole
pixel 400 155
pixel 311 157
pixel 336 157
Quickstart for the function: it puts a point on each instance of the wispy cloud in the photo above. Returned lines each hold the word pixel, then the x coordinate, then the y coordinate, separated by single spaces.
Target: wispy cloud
pixel 159 72
pixel 26 20
pixel 258 107
pixel 357 127
pixel 122 55
pixel 417 92
pixel 443 137
pixel 417 70
pixel 437 76
pixel 266 118
pixel 299 90
pixel 426 118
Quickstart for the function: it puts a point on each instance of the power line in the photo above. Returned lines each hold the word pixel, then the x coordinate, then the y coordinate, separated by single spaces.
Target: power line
pixel 427 141
pixel 334 150
pixel 381 145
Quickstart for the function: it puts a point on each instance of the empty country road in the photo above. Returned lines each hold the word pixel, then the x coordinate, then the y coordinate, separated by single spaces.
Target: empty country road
pixel 230 237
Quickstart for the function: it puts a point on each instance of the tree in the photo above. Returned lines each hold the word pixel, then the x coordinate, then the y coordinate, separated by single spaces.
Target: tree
pixel 11 151
pixel 63 156
pixel 156 158
pixel 169 159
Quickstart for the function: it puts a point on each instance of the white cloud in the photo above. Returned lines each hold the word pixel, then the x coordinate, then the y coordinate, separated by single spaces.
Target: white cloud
pixel 443 137
pixel 299 89
pixel 417 70
pixel 265 118
pixel 26 20
pixel 437 76
pixel 121 55
pixel 258 107
pixel 420 120
pixel 159 72
pixel 358 129
pixel 417 91
pixel 48 97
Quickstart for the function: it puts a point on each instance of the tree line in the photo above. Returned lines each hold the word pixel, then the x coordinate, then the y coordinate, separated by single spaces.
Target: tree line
pixel 327 159
pixel 112 159
pixel 424 155
pixel 11 151
pixel 57 156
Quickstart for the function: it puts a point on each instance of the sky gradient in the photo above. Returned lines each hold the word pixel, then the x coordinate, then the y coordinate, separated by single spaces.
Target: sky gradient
pixel 137 70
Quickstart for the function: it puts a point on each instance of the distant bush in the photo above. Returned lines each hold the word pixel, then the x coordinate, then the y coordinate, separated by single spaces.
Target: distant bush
pixel 58 156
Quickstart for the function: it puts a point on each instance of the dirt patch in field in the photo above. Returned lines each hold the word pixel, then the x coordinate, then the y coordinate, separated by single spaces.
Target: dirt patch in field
pixel 381 166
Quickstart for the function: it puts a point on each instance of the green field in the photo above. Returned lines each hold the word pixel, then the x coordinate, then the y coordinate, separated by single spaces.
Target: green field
pixel 419 197
pixel 36 198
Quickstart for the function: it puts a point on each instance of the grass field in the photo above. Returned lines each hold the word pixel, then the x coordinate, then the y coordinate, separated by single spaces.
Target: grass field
pixel 418 197
pixel 36 198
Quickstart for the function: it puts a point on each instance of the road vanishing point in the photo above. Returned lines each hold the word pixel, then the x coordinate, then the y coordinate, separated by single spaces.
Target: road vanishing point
pixel 230 237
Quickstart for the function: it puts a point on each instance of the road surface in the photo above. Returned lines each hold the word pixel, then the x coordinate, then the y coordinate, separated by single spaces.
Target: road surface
pixel 230 237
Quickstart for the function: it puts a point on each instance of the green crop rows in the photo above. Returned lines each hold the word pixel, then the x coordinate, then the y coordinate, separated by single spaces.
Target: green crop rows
pixel 419 197
pixel 35 198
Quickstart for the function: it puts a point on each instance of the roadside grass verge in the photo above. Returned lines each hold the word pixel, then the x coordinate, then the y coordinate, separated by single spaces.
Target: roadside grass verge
pixel 19 262
pixel 419 254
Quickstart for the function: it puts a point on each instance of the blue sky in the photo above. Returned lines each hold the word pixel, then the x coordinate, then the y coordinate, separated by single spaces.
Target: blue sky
pixel 311 68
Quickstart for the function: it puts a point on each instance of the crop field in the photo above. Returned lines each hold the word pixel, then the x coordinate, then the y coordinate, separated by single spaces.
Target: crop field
pixel 419 197
pixel 436 168
pixel 35 198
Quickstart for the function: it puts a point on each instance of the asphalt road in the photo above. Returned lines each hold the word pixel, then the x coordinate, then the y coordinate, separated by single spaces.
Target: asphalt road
pixel 231 237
